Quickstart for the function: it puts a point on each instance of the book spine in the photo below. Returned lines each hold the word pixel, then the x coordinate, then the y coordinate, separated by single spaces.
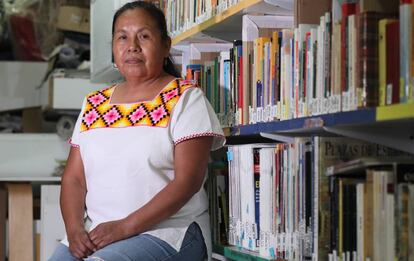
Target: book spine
pixel 368 59
pixel 405 50
pixel 392 34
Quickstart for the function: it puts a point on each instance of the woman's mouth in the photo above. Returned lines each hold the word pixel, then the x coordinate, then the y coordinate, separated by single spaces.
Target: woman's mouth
pixel 133 61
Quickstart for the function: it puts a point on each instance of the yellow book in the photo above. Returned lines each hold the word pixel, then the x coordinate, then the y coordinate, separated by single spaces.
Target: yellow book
pixel 382 63
pixel 259 44
pixel 273 54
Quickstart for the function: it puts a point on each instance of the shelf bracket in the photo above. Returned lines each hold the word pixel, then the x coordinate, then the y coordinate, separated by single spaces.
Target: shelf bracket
pixel 277 137
pixel 397 137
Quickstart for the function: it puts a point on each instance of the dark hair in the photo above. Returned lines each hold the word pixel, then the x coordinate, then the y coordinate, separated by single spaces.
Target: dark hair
pixel 159 18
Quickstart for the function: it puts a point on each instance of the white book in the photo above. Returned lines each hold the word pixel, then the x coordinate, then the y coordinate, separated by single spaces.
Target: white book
pixel 266 207
pixel 390 228
pixel 360 221
pixel 381 178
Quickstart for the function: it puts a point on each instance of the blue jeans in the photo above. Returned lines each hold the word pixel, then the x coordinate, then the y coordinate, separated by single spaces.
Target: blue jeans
pixel 144 248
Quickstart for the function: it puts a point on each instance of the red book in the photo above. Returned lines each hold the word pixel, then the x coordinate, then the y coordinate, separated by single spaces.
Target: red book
pixel 392 35
pixel 367 57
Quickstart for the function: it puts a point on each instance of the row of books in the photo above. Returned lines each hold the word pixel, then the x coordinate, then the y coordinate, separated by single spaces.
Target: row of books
pixel 283 204
pixel 181 15
pixel 372 200
pixel 365 59
pixel 217 189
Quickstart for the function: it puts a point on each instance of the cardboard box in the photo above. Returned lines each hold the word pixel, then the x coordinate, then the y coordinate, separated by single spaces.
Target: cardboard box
pixel 74 18
pixel 309 12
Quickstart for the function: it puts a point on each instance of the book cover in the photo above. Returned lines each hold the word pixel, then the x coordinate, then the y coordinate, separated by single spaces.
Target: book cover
pixel 382 69
pixel 392 91
pixel 406 18
pixel 368 87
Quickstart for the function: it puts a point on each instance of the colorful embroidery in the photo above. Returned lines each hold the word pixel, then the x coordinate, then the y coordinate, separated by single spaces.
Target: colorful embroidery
pixel 99 113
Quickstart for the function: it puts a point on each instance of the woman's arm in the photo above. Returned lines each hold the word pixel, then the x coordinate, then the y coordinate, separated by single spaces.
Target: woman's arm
pixel 190 164
pixel 72 203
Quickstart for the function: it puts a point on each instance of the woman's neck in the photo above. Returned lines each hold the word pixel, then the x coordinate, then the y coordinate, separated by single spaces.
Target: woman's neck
pixel 139 83
pixel 141 89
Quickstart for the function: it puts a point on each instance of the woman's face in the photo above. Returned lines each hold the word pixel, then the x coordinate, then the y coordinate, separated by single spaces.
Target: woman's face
pixel 138 49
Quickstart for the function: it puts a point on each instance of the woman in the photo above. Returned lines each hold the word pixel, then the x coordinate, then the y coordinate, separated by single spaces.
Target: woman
pixel 139 155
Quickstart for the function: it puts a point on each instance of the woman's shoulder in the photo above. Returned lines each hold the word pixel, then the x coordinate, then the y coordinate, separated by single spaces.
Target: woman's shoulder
pixel 188 86
pixel 186 83
pixel 178 88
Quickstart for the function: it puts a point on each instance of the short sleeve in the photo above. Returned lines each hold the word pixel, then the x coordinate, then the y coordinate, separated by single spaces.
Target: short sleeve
pixel 194 117
pixel 74 140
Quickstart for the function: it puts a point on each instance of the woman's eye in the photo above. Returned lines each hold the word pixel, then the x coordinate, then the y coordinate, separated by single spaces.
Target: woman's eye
pixel 144 36
pixel 122 37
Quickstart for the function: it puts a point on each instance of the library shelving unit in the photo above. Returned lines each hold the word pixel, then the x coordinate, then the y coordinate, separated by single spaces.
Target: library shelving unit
pixel 227 25
pixel 392 125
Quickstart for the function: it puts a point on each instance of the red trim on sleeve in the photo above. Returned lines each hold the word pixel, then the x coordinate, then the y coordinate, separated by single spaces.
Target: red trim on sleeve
pixel 73 144
pixel 206 134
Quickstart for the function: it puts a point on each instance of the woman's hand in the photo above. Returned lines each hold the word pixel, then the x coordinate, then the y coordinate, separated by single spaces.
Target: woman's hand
pixel 80 245
pixel 108 232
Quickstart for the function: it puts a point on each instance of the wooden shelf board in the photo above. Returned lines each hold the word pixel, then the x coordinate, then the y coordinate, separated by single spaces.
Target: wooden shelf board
pixel 215 20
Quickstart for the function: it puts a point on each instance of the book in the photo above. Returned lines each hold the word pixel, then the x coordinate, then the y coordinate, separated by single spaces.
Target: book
pixel 382 62
pixel 392 32
pixel 367 81
pixel 329 151
pixel 406 39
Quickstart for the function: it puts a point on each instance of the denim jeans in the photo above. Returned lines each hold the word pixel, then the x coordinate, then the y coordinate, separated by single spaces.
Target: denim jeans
pixel 144 248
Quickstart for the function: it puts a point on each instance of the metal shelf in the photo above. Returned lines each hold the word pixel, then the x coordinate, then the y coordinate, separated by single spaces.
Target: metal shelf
pixel 308 125
pixel 392 126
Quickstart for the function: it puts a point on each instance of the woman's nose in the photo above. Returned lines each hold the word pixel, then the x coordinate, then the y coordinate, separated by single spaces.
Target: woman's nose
pixel 134 46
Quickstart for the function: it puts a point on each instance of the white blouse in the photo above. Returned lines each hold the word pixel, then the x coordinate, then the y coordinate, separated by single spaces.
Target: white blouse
pixel 128 154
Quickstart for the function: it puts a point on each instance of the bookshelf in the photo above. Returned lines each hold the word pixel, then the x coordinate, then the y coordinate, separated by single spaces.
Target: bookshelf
pixel 227 25
pixel 391 126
